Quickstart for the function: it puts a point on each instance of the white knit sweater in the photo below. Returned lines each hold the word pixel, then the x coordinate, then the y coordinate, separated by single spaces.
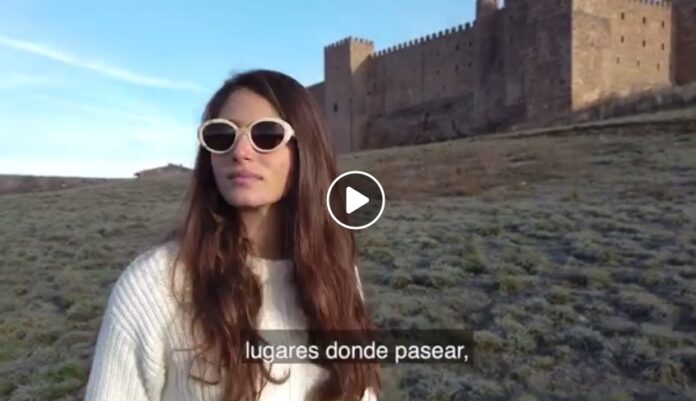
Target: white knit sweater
pixel 135 360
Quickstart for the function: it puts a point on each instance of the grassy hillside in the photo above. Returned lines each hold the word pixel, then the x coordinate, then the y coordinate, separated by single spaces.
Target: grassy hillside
pixel 15 184
pixel 572 256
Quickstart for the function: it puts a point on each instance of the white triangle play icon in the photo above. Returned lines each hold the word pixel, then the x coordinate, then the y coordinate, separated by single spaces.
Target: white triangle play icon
pixel 354 200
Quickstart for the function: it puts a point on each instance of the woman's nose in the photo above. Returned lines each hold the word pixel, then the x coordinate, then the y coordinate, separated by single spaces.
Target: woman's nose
pixel 242 149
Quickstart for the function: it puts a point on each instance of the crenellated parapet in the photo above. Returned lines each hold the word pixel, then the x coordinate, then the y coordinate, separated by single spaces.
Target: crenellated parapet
pixel 424 39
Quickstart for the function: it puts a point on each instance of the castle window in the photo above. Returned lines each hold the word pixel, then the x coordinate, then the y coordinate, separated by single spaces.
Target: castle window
pixel 456 68
pixel 645 20
pixel 663 24
pixel 638 63
pixel 663 46
pixel 644 43
pixel 456 47
pixel 469 64
pixel 623 39
pixel 335 107
pixel 618 60
pixel 437 72
pixel 471 44
pixel 623 16
pixel 658 66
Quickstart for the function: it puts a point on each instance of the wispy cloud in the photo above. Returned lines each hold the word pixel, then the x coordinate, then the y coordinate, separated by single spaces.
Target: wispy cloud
pixel 107 112
pixel 95 65
pixel 142 127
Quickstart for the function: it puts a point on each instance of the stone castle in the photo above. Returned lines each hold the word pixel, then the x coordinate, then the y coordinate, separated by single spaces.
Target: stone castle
pixel 526 61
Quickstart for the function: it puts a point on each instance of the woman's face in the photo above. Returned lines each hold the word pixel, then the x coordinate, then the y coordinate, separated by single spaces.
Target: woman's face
pixel 270 173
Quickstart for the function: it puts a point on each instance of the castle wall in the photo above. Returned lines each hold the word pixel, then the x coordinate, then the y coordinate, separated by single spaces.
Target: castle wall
pixel 515 44
pixel 337 94
pixel 506 49
pixel 398 79
pixel 684 19
pixel 591 53
pixel 431 121
pixel 526 62
pixel 363 77
pixel 541 41
pixel 347 75
pixel 426 69
pixel 619 47
pixel 641 39
pixel 486 8
pixel 488 65
pixel 317 92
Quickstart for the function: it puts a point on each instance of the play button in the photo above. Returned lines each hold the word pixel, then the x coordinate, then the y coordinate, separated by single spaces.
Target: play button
pixel 355 200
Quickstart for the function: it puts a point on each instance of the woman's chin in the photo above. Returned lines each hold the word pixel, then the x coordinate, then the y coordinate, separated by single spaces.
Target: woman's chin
pixel 245 201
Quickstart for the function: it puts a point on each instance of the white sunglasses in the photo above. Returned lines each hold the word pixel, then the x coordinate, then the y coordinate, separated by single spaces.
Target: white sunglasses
pixel 219 135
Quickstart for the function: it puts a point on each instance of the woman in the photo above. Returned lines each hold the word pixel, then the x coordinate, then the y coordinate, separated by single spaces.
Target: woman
pixel 256 250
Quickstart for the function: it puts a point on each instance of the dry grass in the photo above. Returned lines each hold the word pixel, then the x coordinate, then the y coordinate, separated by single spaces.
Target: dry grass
pixel 471 167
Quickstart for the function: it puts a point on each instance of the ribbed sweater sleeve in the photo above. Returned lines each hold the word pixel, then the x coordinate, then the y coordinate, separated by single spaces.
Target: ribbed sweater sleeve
pixel 128 363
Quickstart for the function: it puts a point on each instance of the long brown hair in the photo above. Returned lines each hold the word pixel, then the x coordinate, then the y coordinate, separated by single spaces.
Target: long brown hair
pixel 211 245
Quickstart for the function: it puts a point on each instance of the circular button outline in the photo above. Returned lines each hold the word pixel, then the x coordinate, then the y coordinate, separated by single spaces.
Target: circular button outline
pixel 328 202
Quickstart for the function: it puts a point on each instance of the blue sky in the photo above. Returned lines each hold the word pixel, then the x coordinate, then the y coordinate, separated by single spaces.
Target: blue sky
pixel 107 88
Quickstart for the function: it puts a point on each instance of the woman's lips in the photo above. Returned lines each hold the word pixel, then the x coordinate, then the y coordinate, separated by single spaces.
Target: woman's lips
pixel 243 178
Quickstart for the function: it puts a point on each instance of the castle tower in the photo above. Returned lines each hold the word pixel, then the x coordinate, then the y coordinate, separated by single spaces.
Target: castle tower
pixel 347 79
pixel 486 8
pixel 684 41
pixel 487 62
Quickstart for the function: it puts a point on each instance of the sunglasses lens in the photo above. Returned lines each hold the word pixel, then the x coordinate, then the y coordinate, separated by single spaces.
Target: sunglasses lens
pixel 218 136
pixel 267 135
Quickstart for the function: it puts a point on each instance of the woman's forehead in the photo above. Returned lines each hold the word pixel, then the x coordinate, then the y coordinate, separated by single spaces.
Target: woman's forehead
pixel 244 106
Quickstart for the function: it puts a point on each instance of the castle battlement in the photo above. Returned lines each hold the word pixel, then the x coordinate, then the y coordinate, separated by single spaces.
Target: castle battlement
pixel 348 40
pixel 423 39
pixel 667 4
